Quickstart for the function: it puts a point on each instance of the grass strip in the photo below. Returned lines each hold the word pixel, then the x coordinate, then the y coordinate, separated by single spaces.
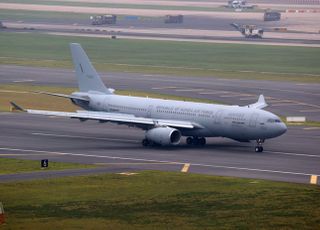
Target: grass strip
pixel 159 200
pixel 10 166
pixel 167 57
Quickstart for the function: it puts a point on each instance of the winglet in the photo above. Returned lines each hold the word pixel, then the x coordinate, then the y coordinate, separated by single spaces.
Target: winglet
pixel 16 107
pixel 260 104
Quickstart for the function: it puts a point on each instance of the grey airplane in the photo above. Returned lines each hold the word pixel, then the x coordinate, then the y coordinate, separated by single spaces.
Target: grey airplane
pixel 165 121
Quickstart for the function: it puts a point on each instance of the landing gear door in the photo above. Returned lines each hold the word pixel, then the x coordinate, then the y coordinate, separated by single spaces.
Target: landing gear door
pixel 253 120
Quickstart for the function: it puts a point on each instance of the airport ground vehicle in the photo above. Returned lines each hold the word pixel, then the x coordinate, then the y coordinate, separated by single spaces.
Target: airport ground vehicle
pixel 249 31
pixel 103 19
pixel 272 16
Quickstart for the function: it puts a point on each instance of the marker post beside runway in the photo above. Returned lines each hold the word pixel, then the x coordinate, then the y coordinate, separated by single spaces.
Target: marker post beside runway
pixel 2 218
pixel 313 179
pixel 44 163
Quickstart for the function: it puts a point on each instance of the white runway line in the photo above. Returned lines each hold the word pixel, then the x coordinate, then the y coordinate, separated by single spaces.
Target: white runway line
pixel 311 128
pixel 209 93
pixel 160 161
pixel 189 90
pixel 85 137
pixel 165 87
pixel 310 111
pixel 23 81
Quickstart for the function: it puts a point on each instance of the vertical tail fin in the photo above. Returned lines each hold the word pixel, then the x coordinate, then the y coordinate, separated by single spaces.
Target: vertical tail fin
pixel 87 76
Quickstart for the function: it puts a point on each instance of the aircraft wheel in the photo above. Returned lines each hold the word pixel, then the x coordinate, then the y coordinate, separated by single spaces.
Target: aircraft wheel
pixel 202 141
pixel 258 149
pixel 145 142
pixel 189 140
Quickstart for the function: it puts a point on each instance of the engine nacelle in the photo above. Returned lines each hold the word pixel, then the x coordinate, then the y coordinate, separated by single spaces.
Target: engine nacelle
pixel 164 136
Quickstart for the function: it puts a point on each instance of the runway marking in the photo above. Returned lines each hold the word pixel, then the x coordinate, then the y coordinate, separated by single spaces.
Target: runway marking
pixel 165 87
pixel 209 93
pixel 189 90
pixel 230 95
pixel 310 111
pixel 284 104
pixel 134 141
pixel 294 154
pixel 84 137
pixel 23 81
pixel 137 163
pixel 185 168
pixel 311 128
pixel 313 179
pixel 161 161
pixel 127 173
pixel 20 154
pixel 13 91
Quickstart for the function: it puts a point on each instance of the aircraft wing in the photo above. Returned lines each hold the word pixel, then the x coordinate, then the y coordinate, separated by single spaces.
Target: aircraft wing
pixel 119 118
pixel 260 104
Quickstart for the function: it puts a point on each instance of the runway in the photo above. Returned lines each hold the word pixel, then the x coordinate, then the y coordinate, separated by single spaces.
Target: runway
pixel 284 98
pixel 293 157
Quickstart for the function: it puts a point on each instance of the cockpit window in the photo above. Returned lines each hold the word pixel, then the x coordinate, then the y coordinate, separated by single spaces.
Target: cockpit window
pixel 273 120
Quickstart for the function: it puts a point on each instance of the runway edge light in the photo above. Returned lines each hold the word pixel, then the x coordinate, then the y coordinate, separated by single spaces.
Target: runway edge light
pixel 2 218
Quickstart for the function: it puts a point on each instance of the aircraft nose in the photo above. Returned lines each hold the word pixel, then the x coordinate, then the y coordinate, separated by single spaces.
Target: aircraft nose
pixel 282 128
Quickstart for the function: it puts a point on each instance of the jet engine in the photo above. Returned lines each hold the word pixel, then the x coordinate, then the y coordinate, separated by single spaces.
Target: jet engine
pixel 164 136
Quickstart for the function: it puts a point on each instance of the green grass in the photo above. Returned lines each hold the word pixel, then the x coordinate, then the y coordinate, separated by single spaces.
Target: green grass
pixel 41 16
pixel 167 57
pixel 23 95
pixel 159 200
pixel 9 166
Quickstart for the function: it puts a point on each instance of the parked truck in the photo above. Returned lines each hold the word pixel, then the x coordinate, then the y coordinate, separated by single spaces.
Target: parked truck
pixel 2 26
pixel 173 19
pixel 103 19
pixel 272 16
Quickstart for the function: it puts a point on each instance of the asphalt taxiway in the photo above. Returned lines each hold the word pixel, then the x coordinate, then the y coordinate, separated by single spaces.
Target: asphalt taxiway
pixel 284 98
pixel 293 157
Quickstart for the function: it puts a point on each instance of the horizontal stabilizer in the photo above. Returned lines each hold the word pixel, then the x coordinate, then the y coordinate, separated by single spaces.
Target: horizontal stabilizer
pixel 16 107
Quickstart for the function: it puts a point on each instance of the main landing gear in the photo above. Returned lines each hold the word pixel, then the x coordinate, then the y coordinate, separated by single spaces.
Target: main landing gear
pixel 146 142
pixel 259 148
pixel 197 141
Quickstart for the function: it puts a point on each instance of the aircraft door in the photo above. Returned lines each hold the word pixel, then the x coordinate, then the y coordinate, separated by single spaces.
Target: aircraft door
pixel 149 111
pixel 253 120
pixel 218 115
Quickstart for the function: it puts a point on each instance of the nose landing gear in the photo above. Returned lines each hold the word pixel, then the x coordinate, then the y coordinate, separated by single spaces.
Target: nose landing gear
pixel 259 148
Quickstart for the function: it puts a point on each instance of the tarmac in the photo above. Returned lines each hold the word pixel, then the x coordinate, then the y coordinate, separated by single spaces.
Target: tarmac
pixel 293 157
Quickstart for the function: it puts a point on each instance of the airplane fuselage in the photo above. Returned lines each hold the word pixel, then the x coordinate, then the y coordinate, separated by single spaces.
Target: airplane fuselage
pixel 239 123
